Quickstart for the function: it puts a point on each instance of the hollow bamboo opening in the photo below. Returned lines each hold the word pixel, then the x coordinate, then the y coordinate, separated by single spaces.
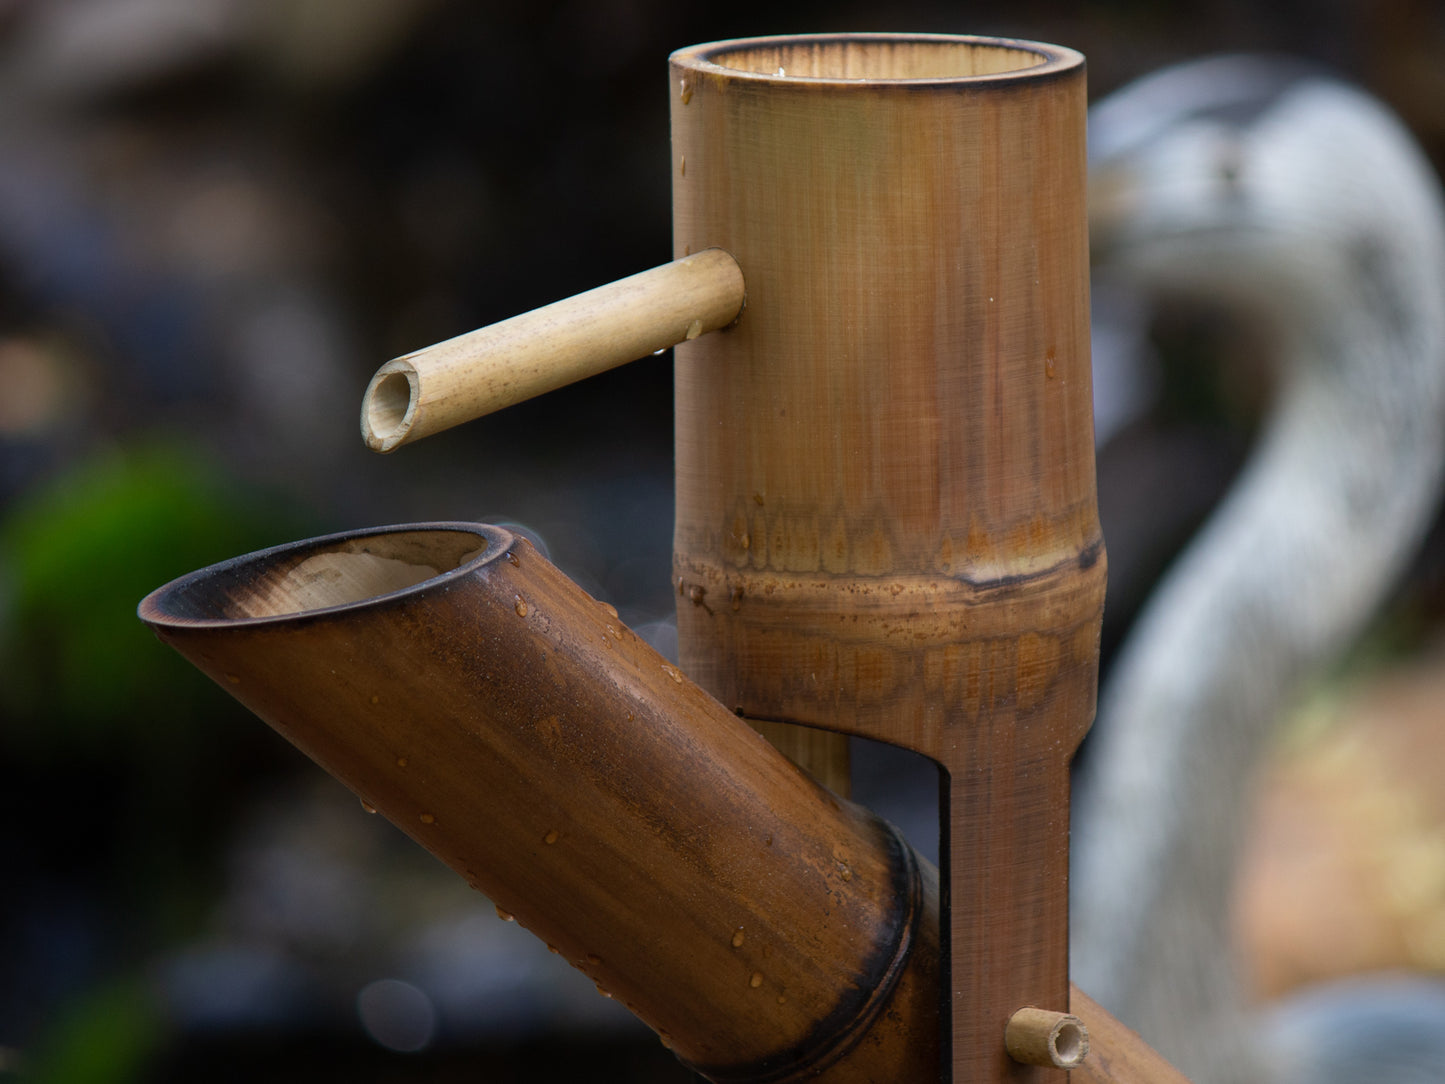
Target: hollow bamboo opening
pixel 876 58
pixel 389 403
pixel 321 575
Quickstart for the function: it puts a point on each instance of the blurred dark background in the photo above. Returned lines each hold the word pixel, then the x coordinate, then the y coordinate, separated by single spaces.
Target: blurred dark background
pixel 217 218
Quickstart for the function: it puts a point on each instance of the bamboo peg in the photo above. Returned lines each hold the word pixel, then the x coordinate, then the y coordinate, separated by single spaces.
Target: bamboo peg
pixel 1040 1037
pixel 440 386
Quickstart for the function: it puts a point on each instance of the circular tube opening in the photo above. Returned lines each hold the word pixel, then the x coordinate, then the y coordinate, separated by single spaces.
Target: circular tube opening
pixel 880 57
pixel 322 574
pixel 1068 1044
pixel 388 408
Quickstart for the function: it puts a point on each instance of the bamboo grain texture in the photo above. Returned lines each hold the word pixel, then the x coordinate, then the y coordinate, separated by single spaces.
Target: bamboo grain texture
pixel 886 521
pixel 464 378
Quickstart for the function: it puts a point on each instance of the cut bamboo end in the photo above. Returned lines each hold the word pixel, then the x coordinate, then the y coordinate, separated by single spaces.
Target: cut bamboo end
pixel 440 386
pixel 1042 1037
pixel 389 405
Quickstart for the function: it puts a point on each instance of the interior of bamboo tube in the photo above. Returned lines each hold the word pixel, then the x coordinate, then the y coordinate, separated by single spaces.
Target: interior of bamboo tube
pixel 387 401
pixel 870 58
pixel 1068 1043
pixel 297 580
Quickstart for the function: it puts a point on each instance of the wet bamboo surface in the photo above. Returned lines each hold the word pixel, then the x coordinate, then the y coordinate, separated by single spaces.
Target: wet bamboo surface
pixel 886 520
pixel 514 727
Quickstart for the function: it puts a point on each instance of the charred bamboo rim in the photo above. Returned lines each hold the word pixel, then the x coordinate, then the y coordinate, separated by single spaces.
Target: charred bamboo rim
pixel 842 1029
pixel 337 572
pixel 879 59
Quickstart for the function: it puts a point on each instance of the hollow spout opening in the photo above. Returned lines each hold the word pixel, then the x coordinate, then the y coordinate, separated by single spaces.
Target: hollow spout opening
pixel 881 57
pixel 389 406
pixel 348 569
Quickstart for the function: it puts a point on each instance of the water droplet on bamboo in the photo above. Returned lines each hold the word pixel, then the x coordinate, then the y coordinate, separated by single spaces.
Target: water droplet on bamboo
pixel 367 806
pixel 603 992
pixel 234 679
pixel 694 329
pixel 551 837
pixel 782 1000
pixel 505 916
pixel 673 673
pixel 682 172
pixel 665 1039
pixel 521 607
pixel 553 950
pixel 427 818
pixel 610 609
pixel 375 699
pixel 512 559
pixel 738 937
pixel 756 980
pixel 401 762
pixel 685 91
pixel 659 353
pixel 593 959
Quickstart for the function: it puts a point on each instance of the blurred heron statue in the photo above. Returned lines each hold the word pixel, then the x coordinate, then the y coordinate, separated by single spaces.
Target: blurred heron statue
pixel 1303 205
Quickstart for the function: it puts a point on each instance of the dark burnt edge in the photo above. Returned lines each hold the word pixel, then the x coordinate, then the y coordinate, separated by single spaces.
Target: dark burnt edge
pixel 834 1036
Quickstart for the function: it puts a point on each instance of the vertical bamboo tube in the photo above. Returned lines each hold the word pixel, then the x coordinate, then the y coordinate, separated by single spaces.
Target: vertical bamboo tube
pixel 886 521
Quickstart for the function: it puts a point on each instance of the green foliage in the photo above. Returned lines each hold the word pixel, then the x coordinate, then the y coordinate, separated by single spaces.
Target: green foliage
pixel 75 558
pixel 106 1036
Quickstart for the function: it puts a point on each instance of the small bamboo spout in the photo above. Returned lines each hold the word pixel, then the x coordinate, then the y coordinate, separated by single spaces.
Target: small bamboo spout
pixel 474 374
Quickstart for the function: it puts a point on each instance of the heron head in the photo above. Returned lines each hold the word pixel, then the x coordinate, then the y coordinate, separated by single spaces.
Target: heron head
pixel 1257 183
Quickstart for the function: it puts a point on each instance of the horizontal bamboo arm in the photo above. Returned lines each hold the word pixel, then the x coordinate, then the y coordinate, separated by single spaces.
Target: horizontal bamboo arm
pixel 440 386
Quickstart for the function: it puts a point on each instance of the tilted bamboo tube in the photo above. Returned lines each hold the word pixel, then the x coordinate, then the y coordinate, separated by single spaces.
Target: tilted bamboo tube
pixel 886 519
pixel 512 726
pixel 463 378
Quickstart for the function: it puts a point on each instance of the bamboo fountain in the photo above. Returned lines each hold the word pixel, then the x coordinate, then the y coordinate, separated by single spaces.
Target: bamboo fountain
pixel 886 527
